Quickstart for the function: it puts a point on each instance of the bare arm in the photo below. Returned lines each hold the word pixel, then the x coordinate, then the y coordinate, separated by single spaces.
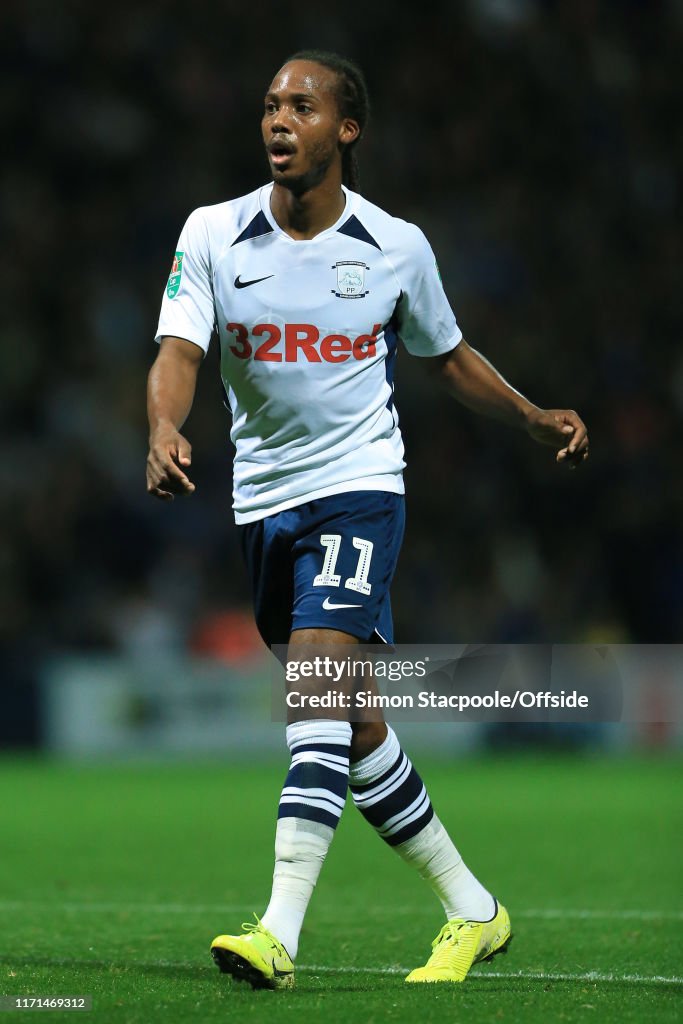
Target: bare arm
pixel 477 384
pixel 170 392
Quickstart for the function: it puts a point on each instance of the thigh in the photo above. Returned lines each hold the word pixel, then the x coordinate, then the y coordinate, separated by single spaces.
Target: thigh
pixel 267 549
pixel 344 561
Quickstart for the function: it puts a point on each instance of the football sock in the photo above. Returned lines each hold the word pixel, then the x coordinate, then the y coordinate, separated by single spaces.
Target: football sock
pixel 392 798
pixel 311 804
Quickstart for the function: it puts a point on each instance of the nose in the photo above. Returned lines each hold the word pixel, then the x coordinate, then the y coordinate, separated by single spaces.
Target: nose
pixel 279 121
pixel 279 125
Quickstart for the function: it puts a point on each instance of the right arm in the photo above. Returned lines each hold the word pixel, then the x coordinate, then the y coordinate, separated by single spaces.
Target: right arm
pixel 170 391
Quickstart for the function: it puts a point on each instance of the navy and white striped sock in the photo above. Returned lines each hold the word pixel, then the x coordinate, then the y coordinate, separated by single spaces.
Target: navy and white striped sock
pixel 318 777
pixel 391 796
pixel 311 805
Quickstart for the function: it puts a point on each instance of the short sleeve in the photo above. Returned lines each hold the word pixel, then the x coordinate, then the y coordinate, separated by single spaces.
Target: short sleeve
pixel 426 322
pixel 187 308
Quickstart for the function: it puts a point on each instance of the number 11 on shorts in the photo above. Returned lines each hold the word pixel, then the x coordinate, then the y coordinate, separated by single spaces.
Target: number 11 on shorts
pixel 331 542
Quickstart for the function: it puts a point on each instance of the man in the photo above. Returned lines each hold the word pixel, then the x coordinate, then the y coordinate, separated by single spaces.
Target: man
pixel 310 287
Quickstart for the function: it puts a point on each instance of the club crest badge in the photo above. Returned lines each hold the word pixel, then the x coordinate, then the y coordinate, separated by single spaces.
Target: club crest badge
pixel 350 279
pixel 173 285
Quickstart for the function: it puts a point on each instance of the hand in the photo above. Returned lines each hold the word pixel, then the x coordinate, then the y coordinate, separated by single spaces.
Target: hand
pixel 557 427
pixel 169 452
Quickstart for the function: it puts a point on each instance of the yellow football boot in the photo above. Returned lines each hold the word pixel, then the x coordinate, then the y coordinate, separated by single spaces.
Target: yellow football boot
pixel 257 957
pixel 462 943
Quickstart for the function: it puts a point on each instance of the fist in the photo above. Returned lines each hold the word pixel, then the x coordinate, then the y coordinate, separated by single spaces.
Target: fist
pixel 169 456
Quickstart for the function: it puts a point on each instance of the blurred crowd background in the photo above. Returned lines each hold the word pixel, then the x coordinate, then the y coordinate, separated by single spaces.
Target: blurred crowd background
pixel 538 143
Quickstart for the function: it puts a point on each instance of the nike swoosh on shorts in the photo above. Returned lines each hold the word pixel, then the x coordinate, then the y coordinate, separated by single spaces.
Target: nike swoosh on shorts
pixel 328 606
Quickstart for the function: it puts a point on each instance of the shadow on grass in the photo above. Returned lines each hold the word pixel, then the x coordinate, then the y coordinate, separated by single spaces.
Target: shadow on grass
pixel 172 969
pixel 308 982
pixel 159 968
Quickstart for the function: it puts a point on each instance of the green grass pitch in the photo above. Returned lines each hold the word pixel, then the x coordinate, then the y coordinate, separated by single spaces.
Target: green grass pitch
pixel 115 878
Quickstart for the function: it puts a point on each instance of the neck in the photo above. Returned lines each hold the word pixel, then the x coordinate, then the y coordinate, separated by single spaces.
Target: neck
pixel 306 215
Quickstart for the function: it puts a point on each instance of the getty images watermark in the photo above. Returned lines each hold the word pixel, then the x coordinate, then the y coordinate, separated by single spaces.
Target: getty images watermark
pixel 480 682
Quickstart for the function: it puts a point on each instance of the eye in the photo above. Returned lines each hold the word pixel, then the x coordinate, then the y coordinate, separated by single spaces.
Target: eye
pixel 304 108
pixel 270 107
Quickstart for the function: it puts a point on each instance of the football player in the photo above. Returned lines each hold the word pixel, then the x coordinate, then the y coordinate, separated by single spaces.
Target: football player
pixel 311 288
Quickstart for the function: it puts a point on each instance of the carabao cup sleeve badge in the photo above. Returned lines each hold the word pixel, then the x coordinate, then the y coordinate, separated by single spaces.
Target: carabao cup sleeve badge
pixel 173 285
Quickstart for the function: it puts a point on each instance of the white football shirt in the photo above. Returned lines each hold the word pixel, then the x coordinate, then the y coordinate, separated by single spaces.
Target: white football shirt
pixel 308 334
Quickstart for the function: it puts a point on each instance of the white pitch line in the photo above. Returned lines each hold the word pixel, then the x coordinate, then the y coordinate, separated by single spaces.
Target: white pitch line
pixel 543 913
pixel 625 915
pixel 595 977
pixel 125 908
pixel 591 976
pixel 548 913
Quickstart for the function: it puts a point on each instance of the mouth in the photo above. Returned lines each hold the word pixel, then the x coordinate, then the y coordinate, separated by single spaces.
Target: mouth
pixel 281 152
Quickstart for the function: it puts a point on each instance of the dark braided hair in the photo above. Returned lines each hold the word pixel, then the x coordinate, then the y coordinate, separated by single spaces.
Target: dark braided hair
pixel 353 101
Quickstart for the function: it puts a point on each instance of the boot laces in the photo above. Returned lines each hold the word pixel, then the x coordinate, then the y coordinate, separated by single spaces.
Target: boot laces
pixel 443 944
pixel 255 927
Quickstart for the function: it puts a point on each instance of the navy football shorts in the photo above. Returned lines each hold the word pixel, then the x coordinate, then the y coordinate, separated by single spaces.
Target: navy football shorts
pixel 326 564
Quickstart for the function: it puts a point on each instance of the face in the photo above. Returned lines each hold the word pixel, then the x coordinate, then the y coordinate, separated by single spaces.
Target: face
pixel 303 131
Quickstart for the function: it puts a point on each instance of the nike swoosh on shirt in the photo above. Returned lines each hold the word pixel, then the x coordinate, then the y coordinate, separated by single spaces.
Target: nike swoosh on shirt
pixel 245 284
pixel 328 606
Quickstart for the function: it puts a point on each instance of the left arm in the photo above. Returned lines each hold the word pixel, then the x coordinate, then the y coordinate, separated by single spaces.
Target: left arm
pixel 477 384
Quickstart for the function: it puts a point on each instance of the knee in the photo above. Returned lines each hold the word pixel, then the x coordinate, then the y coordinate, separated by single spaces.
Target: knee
pixel 366 737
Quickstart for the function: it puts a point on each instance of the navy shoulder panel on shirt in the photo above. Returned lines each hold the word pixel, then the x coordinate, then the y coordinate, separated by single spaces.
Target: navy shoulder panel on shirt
pixel 355 229
pixel 256 227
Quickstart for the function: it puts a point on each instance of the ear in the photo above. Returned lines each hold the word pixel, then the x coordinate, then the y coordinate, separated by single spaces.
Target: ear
pixel 349 130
